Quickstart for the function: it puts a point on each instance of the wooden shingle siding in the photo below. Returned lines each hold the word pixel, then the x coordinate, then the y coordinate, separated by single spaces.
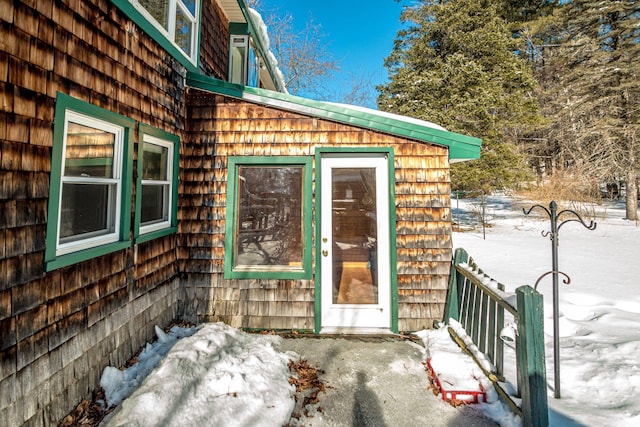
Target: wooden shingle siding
pixel 58 330
pixel 219 127
pixel 214 41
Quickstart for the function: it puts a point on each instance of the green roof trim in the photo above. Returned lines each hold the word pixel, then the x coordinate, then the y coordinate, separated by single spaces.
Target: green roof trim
pixel 461 147
pixel 238 28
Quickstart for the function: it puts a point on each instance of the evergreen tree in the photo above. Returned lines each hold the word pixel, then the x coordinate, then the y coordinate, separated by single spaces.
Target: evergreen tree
pixel 456 65
pixel 593 96
pixel 523 11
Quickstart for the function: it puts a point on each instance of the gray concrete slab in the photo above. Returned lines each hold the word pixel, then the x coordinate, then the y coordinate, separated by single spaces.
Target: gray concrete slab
pixel 376 381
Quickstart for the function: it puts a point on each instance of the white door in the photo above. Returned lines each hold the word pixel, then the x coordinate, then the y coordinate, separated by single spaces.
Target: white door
pixel 354 258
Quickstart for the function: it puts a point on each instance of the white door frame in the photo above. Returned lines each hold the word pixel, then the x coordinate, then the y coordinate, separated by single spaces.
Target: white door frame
pixel 360 318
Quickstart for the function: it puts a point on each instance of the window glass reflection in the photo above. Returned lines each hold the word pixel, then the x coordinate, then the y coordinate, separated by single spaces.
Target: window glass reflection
pixel 354 236
pixel 155 162
pixel 269 226
pixel 89 152
pixel 183 31
pixel 86 210
pixel 159 9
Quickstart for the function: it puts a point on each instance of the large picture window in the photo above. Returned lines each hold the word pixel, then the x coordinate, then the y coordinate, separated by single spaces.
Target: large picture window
pixel 156 200
pixel 89 181
pixel 268 218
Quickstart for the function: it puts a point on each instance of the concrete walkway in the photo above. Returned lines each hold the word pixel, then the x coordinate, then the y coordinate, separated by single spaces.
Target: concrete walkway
pixel 376 381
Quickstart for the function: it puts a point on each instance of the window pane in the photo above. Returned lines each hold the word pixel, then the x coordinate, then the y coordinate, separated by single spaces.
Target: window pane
pixel 154 160
pixel 159 9
pixel 89 152
pixel 253 78
pixel 86 209
pixel 183 31
pixel 154 203
pixel 190 5
pixel 269 228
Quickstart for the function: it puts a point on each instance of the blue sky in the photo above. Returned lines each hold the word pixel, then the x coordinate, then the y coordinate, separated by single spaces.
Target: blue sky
pixel 359 34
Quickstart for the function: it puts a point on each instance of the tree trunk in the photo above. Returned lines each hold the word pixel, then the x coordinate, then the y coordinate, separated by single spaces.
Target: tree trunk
pixel 632 196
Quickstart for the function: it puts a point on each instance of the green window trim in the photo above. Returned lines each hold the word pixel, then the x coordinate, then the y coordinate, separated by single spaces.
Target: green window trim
pixel 232 213
pixel 190 62
pixel 140 235
pixel 64 104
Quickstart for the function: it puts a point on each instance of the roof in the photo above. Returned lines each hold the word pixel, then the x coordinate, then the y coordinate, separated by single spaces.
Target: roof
pixel 461 147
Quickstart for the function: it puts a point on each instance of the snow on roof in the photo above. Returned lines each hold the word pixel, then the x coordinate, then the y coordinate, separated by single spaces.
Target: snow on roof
pixel 263 39
pixel 461 147
pixel 392 116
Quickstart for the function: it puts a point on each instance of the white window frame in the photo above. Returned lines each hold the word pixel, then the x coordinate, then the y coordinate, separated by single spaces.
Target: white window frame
pixel 167 184
pixel 113 224
pixel 239 41
pixel 170 32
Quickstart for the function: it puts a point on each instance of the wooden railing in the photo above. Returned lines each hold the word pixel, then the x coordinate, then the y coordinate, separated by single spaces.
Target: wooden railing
pixel 479 304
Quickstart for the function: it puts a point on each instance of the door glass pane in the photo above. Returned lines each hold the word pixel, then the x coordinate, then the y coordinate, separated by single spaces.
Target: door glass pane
pixel 269 227
pixel 89 152
pixel 87 210
pixel 354 234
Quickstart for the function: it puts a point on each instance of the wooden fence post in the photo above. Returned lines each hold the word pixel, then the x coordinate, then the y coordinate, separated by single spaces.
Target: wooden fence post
pixel 530 354
pixel 452 306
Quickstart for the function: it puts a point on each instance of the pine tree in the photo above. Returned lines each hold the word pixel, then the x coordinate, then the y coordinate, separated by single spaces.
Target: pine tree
pixel 456 65
pixel 523 11
pixel 593 97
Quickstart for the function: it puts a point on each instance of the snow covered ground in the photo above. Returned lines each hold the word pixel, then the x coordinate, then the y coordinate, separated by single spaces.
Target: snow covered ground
pixel 230 378
pixel 217 376
pixel 599 309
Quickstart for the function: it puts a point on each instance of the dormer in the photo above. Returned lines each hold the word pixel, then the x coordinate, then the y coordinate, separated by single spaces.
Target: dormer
pixel 183 28
pixel 251 63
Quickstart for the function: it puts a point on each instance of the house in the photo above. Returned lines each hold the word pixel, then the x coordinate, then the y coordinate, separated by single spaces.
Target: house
pixel 153 167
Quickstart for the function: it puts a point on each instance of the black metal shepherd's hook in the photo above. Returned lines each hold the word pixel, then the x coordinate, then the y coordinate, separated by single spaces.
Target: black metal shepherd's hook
pixel 554 216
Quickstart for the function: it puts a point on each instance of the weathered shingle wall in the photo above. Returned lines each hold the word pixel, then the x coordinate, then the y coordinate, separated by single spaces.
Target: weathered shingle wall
pixel 58 330
pixel 219 127
pixel 214 41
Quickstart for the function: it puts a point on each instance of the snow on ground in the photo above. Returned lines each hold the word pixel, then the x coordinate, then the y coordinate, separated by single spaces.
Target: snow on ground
pixel 218 376
pixel 457 371
pixel 599 310
pixel 230 378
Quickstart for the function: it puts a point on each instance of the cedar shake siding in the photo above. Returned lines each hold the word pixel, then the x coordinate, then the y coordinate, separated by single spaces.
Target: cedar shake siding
pixel 59 329
pixel 219 127
pixel 214 41
pixel 69 306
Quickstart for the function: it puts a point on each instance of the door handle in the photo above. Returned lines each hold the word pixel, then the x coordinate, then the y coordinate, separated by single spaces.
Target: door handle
pixel 325 253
